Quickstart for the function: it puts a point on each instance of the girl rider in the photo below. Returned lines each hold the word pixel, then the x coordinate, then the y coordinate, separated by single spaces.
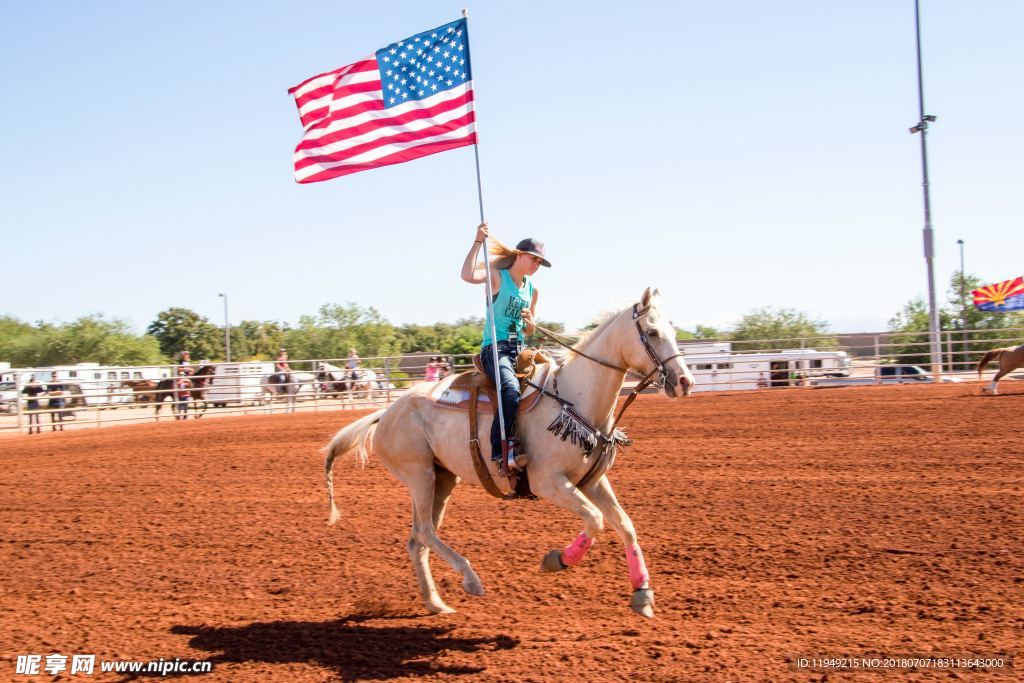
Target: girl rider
pixel 515 306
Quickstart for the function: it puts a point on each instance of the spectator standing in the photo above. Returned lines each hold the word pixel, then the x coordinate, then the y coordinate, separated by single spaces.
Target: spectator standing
pixel 433 370
pixel 32 389
pixel 55 403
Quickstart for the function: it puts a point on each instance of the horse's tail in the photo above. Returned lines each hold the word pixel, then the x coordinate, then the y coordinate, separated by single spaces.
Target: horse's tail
pixel 348 438
pixel 990 356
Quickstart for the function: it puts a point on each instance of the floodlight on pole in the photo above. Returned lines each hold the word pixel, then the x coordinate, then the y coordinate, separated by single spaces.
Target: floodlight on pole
pixel 963 300
pixel 227 329
pixel 929 240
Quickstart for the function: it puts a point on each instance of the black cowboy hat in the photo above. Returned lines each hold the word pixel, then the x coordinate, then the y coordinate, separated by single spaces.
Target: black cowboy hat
pixel 534 248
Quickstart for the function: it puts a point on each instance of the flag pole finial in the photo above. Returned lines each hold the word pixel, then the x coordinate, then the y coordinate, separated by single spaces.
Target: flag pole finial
pixel 465 13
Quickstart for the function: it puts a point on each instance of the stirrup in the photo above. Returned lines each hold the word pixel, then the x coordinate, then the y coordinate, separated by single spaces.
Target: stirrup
pixel 512 465
pixel 520 485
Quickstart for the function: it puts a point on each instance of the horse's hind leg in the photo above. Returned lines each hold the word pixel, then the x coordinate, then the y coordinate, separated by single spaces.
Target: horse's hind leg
pixel 999 375
pixel 444 484
pixel 422 486
pixel 601 493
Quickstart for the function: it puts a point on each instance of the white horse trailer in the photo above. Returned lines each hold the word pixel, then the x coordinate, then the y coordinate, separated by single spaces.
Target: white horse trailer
pixel 237 383
pixel 727 371
pixel 97 384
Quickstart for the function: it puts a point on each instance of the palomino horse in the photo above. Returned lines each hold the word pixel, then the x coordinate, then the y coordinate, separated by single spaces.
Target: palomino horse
pixel 426 447
pixel 165 389
pixel 271 387
pixel 1010 358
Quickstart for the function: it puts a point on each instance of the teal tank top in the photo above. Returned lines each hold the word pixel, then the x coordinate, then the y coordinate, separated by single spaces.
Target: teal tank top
pixel 508 304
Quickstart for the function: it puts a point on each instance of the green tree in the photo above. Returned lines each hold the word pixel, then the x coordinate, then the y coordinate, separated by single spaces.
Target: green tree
pixel 336 328
pixel 708 332
pixel 254 339
pixel 21 344
pixel 465 338
pixel 764 327
pixel 908 341
pixel 90 338
pixel 538 339
pixel 181 329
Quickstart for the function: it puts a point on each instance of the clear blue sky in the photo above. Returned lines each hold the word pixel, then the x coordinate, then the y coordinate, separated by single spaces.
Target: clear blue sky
pixel 735 154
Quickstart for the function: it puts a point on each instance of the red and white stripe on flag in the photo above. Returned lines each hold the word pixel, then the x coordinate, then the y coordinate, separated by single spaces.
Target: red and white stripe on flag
pixel 410 99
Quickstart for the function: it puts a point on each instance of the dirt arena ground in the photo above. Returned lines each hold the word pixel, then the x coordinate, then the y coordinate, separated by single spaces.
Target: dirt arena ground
pixel 865 522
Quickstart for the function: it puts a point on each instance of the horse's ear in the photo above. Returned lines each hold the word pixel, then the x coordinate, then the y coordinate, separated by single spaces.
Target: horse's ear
pixel 645 299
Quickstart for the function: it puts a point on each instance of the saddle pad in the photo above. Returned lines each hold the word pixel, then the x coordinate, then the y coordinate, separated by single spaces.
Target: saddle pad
pixel 458 399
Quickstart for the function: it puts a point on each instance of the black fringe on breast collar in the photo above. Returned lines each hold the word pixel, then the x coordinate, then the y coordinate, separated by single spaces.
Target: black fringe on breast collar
pixel 571 426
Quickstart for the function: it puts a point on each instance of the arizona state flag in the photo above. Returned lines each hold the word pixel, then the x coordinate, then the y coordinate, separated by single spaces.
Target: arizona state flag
pixel 1002 296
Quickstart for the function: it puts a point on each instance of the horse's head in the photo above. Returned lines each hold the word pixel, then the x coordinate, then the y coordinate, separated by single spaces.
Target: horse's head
pixel 650 347
pixel 203 374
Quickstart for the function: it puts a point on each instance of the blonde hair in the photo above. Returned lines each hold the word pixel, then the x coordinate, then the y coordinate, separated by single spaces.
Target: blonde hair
pixel 503 256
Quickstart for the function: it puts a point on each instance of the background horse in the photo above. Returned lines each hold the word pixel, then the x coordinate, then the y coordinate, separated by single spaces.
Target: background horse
pixel 362 380
pixel 426 447
pixel 142 389
pixel 165 389
pixel 1010 358
pixel 272 387
pixel 335 381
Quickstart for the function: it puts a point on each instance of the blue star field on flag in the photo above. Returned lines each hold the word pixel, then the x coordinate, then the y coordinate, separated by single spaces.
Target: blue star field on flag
pixel 425 64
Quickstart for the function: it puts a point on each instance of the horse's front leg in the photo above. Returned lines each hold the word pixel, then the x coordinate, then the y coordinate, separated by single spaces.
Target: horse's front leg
pixel 564 494
pixel 601 493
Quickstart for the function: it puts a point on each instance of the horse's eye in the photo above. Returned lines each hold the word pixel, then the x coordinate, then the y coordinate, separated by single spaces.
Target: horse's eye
pixel 652 332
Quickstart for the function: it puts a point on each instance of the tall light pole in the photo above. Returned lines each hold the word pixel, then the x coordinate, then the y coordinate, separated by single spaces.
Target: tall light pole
pixel 929 239
pixel 227 329
pixel 963 299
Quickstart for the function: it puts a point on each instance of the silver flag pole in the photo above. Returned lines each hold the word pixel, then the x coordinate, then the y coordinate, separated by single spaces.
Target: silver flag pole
pixel 487 272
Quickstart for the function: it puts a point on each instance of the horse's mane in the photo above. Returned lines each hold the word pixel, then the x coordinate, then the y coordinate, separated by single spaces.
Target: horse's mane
pixel 563 355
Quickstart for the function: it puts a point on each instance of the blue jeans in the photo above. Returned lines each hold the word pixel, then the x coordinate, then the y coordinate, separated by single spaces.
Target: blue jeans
pixel 508 391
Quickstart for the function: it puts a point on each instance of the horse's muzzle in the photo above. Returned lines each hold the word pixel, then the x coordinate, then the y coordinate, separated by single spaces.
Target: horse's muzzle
pixel 678 385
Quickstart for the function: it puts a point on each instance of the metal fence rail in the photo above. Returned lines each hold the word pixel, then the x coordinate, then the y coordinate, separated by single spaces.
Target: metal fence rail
pixel 96 396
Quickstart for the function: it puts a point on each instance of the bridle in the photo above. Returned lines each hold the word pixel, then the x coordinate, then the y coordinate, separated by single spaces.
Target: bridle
pixel 644 381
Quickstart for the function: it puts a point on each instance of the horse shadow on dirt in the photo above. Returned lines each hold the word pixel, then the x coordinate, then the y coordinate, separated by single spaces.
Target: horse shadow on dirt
pixel 352 650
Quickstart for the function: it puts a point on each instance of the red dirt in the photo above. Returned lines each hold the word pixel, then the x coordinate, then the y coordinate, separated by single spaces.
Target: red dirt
pixel 877 521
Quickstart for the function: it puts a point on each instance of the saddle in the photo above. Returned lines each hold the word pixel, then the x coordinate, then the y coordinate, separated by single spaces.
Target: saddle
pixel 533 365
pixel 467 390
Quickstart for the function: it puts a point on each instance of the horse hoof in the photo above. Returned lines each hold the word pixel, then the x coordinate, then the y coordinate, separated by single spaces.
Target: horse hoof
pixel 642 602
pixel 552 562
pixel 439 608
pixel 472 586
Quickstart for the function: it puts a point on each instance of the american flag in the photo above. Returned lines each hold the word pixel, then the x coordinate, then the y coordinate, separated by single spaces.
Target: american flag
pixel 409 99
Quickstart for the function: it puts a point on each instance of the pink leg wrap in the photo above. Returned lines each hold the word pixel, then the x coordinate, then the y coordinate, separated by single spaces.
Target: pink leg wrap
pixel 638 575
pixel 574 552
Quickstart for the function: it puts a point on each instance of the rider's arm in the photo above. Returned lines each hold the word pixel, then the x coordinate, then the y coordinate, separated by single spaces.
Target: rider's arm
pixel 473 273
pixel 529 315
